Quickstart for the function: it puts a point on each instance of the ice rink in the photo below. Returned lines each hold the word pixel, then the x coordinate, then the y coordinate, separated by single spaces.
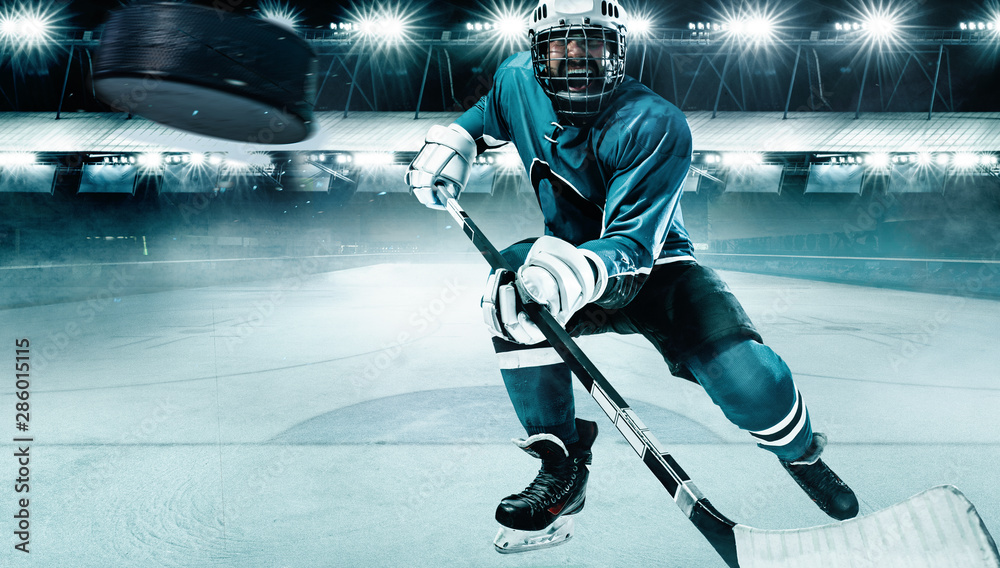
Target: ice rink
pixel 357 418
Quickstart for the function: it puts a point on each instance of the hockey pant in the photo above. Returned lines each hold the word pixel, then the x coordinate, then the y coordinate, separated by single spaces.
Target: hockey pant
pixel 688 313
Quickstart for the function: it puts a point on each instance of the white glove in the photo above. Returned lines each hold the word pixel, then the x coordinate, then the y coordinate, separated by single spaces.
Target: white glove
pixel 556 275
pixel 445 160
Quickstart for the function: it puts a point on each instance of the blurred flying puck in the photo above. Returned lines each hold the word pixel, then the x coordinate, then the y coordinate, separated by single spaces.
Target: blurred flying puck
pixel 208 71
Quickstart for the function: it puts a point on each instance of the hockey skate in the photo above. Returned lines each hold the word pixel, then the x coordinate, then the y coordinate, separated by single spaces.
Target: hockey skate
pixel 540 516
pixel 821 484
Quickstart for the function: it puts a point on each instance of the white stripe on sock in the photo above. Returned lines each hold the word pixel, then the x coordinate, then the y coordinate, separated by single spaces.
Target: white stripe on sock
pixel 784 421
pixel 528 358
pixel 786 439
pixel 791 435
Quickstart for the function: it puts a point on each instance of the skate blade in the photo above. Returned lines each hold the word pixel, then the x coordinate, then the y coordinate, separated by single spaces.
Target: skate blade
pixel 509 541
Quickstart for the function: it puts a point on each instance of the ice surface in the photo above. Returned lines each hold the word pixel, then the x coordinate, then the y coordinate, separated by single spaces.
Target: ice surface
pixel 357 418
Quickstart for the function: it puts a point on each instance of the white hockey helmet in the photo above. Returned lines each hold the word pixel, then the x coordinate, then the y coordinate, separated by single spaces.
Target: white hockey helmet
pixel 581 84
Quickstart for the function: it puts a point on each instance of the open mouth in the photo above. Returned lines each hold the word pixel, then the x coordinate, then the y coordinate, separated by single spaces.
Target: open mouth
pixel 580 75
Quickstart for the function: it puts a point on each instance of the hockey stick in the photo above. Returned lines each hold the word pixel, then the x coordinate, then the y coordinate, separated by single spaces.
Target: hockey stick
pixel 896 536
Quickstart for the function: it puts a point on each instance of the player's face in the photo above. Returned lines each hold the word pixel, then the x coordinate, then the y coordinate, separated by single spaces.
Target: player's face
pixel 576 58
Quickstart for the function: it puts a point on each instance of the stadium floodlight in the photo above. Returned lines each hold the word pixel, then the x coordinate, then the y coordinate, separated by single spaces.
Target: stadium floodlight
pixel 386 26
pixel 26 26
pixel 749 27
pixel 988 160
pixel 233 164
pixel 990 18
pixel 976 26
pixel 965 160
pixel 942 159
pixel 848 26
pixel 279 13
pixel 882 28
pixel 639 25
pixel 706 28
pixel 151 161
pixel 393 27
pixel 878 160
pixel 27 32
pixel 755 29
pixel 881 24
pixel 15 160
pixel 509 160
pixel 511 26
pixel 368 27
pixel 924 159
pixel 507 24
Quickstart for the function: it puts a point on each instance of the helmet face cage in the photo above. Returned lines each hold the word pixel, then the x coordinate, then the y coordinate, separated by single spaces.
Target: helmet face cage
pixel 581 82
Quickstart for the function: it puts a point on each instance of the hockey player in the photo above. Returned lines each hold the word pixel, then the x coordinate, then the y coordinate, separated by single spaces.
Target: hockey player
pixel 607 158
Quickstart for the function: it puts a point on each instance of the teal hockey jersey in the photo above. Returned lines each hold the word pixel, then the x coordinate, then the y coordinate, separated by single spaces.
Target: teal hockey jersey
pixel 612 185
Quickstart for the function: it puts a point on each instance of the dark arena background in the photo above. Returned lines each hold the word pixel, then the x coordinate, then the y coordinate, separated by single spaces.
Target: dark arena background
pixel 258 354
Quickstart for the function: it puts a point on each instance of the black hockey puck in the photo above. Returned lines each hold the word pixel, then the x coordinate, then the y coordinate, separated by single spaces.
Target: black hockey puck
pixel 208 71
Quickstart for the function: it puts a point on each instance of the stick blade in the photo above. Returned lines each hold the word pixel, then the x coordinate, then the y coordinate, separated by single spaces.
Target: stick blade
pixel 938 528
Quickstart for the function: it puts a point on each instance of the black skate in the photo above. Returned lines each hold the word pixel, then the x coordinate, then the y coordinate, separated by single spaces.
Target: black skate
pixel 539 516
pixel 821 484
